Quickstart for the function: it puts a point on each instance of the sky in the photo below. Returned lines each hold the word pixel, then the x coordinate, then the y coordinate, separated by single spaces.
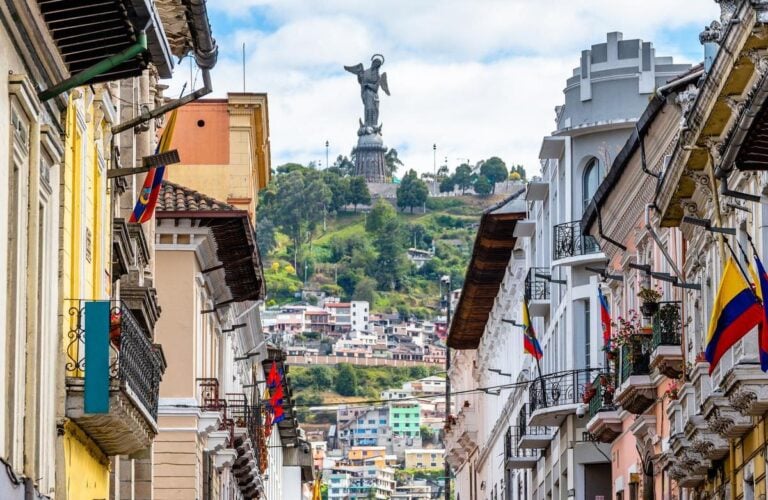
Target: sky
pixel 476 78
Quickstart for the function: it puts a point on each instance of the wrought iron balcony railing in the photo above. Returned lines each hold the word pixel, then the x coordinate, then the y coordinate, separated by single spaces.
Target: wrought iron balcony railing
pixel 513 451
pixel 602 398
pixel 636 357
pixel 523 429
pixel 569 242
pixel 135 362
pixel 537 288
pixel 667 326
pixel 558 389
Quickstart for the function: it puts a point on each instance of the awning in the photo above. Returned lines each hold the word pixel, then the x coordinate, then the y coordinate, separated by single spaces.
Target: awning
pixel 493 248
pixel 88 31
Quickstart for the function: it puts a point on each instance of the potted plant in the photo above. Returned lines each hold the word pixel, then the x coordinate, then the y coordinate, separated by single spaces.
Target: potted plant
pixel 589 392
pixel 673 390
pixel 115 323
pixel 650 301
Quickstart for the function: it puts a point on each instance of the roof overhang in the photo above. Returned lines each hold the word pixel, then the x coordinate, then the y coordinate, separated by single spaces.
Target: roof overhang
pixel 236 249
pixel 87 32
pixel 725 120
pixel 552 148
pixel 492 251
pixel 537 191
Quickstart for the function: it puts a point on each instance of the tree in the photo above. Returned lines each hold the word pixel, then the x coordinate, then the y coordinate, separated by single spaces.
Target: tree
pixel 339 187
pixel 392 161
pixel 391 264
pixel 344 164
pixel 514 176
pixel 427 433
pixel 462 178
pixel 447 185
pixel 483 186
pixel 265 237
pixel 287 168
pixel 412 192
pixel 322 377
pixel 358 192
pixel 519 170
pixel 365 289
pixel 381 213
pixel 443 172
pixel 495 170
pixel 346 380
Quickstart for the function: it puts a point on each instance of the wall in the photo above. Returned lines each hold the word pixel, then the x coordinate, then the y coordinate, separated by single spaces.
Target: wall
pixel 86 236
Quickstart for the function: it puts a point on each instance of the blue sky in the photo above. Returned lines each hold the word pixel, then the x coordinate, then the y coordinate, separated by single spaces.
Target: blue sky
pixel 478 78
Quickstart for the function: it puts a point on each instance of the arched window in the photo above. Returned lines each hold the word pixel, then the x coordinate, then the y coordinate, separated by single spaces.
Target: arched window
pixel 592 176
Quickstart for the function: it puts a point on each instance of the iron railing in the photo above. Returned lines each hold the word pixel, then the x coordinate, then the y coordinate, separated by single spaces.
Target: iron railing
pixel 135 361
pixel 667 327
pixel 512 450
pixel 569 242
pixel 523 429
pixel 602 400
pixel 636 357
pixel 537 288
pixel 558 389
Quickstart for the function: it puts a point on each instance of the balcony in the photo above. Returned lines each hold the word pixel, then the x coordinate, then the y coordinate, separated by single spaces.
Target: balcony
pixel 552 398
pixel 532 438
pixel 573 248
pixel 667 357
pixel 636 393
pixel 604 422
pixel 516 457
pixel 703 440
pixel 723 418
pixel 746 389
pixel 537 291
pixel 121 414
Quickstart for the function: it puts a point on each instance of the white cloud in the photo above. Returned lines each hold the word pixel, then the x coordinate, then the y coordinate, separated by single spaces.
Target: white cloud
pixel 478 78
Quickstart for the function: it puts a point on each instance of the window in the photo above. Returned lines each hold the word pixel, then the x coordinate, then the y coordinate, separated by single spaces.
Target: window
pixel 587 334
pixel 592 176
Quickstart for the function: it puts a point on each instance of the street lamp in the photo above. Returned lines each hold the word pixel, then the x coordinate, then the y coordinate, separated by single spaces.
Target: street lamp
pixel 446 280
pixel 434 167
pixel 326 155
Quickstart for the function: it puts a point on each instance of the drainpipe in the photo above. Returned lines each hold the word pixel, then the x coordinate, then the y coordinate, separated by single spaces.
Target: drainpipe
pixel 206 54
pixel 97 69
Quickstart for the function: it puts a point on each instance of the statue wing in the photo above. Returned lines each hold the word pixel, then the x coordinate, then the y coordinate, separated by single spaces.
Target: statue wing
pixel 357 69
pixel 383 83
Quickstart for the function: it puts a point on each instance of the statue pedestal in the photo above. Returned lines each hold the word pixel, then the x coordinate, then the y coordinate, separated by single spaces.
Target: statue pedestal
pixel 369 158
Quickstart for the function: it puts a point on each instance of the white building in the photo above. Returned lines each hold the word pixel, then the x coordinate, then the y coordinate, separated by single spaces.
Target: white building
pixel 528 442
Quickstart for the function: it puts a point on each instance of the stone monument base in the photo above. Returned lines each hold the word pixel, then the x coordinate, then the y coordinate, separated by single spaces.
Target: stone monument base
pixel 369 158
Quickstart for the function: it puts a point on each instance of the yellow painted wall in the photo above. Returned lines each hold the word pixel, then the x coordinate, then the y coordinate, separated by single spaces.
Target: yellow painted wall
pixel 87 468
pixel 86 209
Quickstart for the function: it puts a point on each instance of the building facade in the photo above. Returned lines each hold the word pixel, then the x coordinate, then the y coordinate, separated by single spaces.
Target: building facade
pixel 538 425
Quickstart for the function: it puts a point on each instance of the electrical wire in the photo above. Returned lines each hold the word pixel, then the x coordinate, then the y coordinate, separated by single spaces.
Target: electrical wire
pixel 369 402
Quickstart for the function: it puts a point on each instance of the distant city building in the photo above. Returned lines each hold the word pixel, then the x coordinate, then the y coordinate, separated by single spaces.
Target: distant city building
pixel 424 458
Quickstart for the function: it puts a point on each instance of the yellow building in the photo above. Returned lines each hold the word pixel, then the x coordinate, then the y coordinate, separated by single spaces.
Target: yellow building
pixel 424 459
pixel 359 454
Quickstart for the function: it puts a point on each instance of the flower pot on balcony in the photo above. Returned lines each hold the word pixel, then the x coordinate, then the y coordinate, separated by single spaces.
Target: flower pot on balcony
pixel 115 323
pixel 649 308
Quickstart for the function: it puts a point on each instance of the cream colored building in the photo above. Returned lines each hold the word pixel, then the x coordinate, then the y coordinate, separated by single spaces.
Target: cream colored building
pixel 209 272
pixel 424 459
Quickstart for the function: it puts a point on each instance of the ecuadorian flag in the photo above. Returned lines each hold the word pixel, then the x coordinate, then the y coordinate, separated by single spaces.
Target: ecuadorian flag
pixel 530 342
pixel 735 312
pixel 762 290
pixel 145 205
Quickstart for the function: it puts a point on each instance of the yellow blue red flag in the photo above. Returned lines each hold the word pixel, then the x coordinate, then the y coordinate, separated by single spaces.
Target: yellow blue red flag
pixel 530 342
pixel 735 311
pixel 145 205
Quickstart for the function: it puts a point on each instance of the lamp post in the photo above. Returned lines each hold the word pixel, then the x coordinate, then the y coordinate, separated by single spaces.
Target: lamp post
pixel 434 168
pixel 326 155
pixel 446 280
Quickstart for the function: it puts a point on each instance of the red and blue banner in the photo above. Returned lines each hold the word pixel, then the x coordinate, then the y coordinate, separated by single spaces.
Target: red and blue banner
pixel 145 205
pixel 605 317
